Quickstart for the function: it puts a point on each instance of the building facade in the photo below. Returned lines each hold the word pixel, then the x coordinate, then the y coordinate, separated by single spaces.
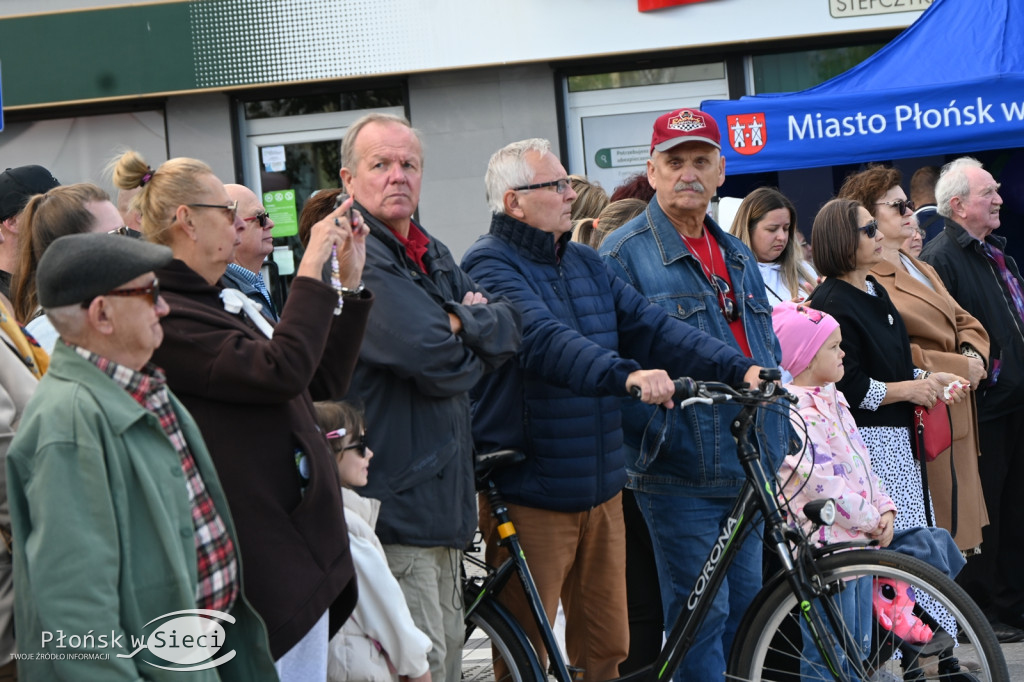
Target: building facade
pixel 263 90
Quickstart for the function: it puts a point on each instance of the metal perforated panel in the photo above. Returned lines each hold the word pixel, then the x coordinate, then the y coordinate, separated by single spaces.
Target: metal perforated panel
pixel 262 41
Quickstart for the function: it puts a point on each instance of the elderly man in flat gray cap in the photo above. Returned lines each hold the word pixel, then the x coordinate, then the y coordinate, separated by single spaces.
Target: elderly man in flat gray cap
pixel 126 563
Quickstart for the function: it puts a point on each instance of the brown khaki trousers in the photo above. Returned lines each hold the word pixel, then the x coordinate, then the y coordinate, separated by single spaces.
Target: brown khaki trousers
pixel 579 557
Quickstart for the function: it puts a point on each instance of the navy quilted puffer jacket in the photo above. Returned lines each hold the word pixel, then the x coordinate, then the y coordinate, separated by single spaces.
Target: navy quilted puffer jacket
pixel 584 332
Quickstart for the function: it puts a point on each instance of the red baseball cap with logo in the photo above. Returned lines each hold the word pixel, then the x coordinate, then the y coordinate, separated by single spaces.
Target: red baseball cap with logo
pixel 684 125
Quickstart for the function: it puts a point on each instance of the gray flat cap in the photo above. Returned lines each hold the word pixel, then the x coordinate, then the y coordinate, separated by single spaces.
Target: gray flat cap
pixel 80 267
pixel 18 185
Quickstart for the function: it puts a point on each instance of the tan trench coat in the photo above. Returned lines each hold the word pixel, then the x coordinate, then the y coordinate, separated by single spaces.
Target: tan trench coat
pixel 937 326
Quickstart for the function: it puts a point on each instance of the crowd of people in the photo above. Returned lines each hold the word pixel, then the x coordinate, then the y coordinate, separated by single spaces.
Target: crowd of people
pixel 178 441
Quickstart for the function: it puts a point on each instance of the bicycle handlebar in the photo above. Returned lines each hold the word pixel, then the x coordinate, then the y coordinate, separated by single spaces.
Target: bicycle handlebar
pixel 689 391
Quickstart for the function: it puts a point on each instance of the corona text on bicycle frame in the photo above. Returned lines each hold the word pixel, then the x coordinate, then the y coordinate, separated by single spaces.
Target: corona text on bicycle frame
pixel 709 567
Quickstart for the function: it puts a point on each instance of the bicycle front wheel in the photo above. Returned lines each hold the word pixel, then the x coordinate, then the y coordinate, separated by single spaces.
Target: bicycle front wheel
pixel 496 649
pixel 891 638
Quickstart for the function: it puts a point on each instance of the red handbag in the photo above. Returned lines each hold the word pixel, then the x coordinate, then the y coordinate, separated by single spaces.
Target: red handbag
pixel 934 431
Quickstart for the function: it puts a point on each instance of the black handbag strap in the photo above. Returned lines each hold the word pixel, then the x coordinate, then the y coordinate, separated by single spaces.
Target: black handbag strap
pixel 952 477
pixel 919 429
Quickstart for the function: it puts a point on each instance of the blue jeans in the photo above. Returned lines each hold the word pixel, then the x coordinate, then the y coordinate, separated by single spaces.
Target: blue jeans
pixel 683 531
pixel 855 604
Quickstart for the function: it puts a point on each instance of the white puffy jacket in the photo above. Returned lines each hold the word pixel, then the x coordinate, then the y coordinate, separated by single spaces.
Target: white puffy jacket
pixel 381 621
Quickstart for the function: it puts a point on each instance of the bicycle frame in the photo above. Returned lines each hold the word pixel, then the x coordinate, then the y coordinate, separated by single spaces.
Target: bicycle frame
pixel 756 495
pixel 497 578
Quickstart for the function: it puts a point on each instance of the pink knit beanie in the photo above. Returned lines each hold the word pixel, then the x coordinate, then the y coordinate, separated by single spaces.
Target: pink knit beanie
pixel 801 331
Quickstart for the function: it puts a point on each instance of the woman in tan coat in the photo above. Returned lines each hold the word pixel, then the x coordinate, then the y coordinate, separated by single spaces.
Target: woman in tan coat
pixel 943 338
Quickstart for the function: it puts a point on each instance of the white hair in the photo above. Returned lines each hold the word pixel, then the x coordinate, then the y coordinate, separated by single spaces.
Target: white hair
pixel 953 182
pixel 508 168
pixel 68 320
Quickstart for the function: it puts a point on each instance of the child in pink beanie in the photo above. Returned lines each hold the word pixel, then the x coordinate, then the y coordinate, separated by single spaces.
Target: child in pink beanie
pixel 834 462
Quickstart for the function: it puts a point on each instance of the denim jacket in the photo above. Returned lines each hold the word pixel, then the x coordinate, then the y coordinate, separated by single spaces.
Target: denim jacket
pixel 691 452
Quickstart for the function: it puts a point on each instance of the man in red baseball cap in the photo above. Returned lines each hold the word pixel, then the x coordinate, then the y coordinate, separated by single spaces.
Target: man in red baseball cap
pixel 684 125
pixel 678 257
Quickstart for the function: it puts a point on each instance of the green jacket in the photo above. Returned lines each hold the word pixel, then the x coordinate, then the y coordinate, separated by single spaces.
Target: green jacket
pixel 103 533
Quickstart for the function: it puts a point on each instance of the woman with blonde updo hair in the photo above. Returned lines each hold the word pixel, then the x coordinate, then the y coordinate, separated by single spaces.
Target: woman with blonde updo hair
pixel 67 209
pixel 766 223
pixel 250 383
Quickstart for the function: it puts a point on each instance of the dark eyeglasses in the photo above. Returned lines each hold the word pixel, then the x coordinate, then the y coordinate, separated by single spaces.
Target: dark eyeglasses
pixel 125 231
pixel 359 446
pixel 869 230
pixel 901 205
pixel 231 208
pixel 726 304
pixel 153 291
pixel 261 218
pixel 560 185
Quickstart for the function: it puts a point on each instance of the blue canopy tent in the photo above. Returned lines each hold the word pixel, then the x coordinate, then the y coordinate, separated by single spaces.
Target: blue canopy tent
pixel 952 82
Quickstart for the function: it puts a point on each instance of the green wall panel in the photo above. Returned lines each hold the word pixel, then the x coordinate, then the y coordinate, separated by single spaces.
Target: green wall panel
pixel 96 54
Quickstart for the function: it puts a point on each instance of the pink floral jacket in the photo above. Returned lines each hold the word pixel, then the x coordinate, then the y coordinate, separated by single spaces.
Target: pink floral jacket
pixel 833 463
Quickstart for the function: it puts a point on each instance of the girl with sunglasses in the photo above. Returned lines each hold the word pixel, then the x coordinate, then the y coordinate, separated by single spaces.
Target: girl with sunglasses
pixel 379 640
pixel 943 338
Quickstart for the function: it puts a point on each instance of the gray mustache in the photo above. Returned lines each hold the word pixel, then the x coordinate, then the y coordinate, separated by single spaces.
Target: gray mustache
pixel 694 186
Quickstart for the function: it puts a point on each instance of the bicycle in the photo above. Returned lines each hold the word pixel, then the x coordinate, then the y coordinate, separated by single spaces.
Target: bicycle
pixel 808 588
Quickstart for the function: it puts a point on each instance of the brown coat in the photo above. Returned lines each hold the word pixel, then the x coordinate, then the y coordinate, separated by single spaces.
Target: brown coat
pixel 249 396
pixel 937 326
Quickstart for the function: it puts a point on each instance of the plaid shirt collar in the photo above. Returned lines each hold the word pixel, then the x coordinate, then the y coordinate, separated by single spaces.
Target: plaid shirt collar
pixel 140 384
pixel 217 580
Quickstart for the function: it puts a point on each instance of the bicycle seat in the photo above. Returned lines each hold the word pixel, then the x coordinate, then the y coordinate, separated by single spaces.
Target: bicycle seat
pixel 486 462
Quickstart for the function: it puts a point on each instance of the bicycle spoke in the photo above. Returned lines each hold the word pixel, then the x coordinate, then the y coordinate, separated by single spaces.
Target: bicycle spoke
pixel 898 627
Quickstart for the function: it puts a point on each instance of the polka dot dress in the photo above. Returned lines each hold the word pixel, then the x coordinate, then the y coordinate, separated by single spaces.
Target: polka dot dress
pixel 894 463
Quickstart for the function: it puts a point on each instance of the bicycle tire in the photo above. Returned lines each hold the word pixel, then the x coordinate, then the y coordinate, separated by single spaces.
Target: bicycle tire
pixel 766 649
pixel 491 633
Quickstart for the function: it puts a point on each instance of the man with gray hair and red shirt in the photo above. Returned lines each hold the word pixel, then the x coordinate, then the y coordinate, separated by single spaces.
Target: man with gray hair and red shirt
pixel 681 260
pixel 434 334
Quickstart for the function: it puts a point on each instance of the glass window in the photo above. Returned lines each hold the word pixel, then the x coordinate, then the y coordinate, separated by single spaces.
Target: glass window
pixel 631 79
pixel 793 71
pixel 325 103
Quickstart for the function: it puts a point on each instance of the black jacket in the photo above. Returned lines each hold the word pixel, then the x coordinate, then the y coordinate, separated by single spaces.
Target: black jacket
pixel 876 345
pixel 414 377
pixel 975 283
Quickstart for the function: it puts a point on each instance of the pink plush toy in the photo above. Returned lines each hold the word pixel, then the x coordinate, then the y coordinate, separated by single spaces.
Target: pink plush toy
pixel 894 601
